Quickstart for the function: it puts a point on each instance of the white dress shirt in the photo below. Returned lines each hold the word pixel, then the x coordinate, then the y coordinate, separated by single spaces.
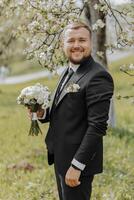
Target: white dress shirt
pixel 73 66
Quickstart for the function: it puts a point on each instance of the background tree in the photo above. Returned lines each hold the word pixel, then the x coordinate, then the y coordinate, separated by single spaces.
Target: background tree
pixel 11 45
pixel 40 24
pixel 107 20
pixel 99 13
pixel 46 22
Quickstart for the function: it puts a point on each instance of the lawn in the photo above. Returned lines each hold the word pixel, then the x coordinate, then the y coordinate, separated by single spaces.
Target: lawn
pixel 24 67
pixel 37 182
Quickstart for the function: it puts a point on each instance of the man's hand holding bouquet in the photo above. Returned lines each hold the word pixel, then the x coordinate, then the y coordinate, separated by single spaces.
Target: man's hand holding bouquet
pixel 36 98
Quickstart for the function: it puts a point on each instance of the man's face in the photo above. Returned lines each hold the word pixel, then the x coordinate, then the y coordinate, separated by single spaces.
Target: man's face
pixel 77 44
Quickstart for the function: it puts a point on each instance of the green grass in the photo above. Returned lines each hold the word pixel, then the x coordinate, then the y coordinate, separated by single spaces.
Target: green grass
pixel 116 183
pixel 24 67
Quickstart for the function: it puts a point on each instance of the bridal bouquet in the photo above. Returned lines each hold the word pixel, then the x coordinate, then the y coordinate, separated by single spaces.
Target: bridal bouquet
pixel 34 97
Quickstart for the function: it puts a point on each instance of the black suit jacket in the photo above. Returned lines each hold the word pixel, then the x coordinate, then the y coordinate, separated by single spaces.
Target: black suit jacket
pixel 79 120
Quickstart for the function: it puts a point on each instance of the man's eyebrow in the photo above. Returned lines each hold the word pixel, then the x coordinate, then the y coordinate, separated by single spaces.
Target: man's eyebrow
pixel 70 38
pixel 83 38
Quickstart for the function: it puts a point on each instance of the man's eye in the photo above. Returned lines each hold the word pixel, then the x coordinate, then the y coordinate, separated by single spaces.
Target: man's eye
pixel 82 40
pixel 70 41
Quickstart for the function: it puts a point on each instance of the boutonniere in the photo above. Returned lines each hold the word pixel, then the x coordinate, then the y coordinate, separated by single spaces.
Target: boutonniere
pixel 73 87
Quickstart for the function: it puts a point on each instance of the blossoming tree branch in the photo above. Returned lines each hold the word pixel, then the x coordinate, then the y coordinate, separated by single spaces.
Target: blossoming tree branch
pixel 40 24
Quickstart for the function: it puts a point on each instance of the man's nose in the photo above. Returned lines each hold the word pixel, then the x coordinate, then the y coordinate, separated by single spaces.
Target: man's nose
pixel 76 44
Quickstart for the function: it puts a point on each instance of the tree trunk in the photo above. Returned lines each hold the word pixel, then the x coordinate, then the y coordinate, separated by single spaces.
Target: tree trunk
pixel 99 36
pixel 98 45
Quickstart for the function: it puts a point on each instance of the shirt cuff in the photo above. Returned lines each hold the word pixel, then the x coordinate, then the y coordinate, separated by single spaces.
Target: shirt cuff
pixel 78 164
pixel 43 117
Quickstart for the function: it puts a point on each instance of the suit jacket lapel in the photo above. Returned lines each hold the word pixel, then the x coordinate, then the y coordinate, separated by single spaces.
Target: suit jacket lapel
pixel 73 79
pixel 81 71
pixel 54 93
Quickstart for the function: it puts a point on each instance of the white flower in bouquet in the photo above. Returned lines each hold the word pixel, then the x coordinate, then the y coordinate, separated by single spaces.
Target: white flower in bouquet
pixel 35 97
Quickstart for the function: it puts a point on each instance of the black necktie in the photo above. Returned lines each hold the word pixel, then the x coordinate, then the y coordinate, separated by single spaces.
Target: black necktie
pixel 63 83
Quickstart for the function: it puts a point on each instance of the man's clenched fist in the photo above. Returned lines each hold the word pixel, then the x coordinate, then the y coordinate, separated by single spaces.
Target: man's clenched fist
pixel 72 177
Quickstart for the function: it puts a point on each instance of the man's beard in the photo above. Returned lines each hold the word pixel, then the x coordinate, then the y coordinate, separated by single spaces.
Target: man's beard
pixel 75 62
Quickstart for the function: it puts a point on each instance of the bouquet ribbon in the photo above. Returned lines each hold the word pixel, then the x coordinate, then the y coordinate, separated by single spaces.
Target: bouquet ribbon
pixel 34 116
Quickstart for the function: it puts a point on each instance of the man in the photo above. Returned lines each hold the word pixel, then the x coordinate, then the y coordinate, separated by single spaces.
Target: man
pixel 78 117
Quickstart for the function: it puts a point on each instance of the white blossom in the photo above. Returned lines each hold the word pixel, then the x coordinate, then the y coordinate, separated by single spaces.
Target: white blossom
pixel 1 3
pixel 100 54
pixel 99 24
pixel 94 27
pixel 20 2
pixel 96 6
pixel 131 66
pixel 102 1
pixel 42 55
pixel 33 25
pixel 123 35
pixel 104 8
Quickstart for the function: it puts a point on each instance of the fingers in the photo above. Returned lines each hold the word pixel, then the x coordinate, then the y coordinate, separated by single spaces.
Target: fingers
pixel 72 182
pixel 39 112
pixel 29 113
pixel 72 177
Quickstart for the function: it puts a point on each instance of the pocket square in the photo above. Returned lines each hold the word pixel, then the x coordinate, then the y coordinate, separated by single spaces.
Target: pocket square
pixel 73 88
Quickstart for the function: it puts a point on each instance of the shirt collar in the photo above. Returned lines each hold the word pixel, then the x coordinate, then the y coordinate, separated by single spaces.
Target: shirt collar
pixel 74 66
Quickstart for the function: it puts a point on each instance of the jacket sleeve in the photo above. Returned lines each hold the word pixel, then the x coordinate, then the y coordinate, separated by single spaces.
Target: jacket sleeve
pixel 98 94
pixel 47 117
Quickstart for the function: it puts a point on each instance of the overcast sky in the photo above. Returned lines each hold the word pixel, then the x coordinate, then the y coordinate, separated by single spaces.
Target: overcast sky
pixel 120 1
pixel 116 2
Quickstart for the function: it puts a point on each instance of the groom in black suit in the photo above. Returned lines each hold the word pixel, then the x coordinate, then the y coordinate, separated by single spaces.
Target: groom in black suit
pixel 78 117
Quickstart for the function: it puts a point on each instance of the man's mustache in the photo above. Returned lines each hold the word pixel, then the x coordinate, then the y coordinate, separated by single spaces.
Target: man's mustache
pixel 77 49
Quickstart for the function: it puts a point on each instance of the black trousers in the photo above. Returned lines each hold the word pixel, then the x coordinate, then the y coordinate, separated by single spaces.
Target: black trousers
pixel 81 192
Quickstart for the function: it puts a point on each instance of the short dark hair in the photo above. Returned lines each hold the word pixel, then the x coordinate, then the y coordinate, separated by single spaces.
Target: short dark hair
pixel 76 25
